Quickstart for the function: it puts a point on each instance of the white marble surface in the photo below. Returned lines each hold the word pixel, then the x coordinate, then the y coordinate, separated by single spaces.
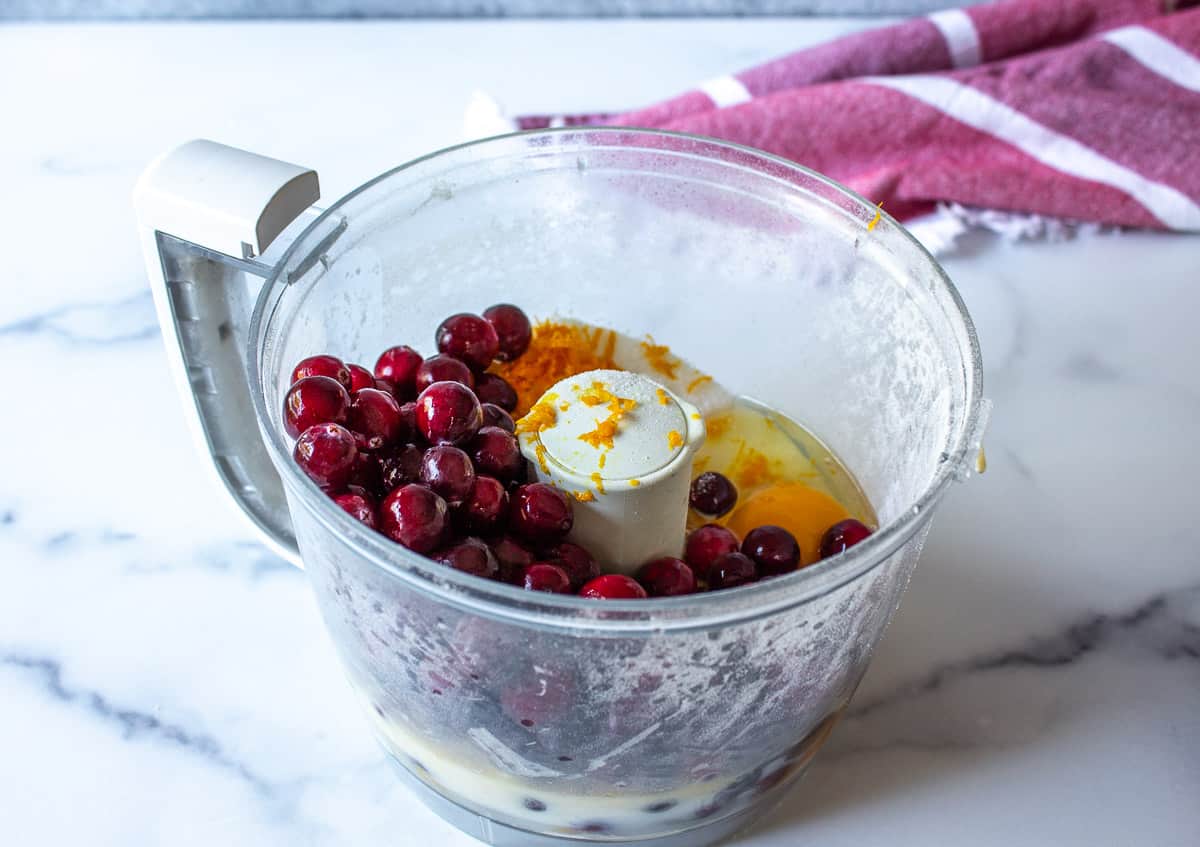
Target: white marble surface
pixel 163 680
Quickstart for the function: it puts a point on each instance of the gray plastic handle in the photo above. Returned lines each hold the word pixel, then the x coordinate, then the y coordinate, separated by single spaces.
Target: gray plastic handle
pixel 205 212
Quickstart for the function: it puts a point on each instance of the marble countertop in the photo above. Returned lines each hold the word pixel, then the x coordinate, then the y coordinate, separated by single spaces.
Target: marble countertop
pixel 165 680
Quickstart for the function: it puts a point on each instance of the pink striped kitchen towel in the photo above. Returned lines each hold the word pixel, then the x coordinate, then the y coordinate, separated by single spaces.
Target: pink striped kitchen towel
pixel 1086 110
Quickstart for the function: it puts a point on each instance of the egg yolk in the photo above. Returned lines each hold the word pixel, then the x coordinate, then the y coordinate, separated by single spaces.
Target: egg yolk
pixel 804 512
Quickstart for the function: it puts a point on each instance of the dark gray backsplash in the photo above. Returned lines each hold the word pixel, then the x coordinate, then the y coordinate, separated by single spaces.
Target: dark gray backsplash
pixel 139 9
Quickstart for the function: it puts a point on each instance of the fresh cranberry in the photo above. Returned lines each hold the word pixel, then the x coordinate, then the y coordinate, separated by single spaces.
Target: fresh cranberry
pixel 314 400
pixel 448 413
pixel 490 388
pixel 773 549
pixel 448 471
pixel 330 366
pixel 367 476
pixel 542 698
pixel 493 415
pixel 541 513
pixel 713 494
pixel 512 328
pixel 468 338
pixel 705 544
pixel 376 416
pixel 470 556
pixel 731 570
pixel 486 506
pixel 613 586
pixel 413 516
pixel 386 387
pixel 513 557
pixel 360 378
pixel 401 467
pixel 667 577
pixel 326 452
pixel 496 453
pixel 399 365
pixel 543 576
pixel 579 565
pixel 443 369
pixel 358 507
pixel 408 416
pixel 843 535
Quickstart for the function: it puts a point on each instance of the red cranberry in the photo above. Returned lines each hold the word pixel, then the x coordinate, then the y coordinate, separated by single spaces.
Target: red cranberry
pixel 377 417
pixel 413 516
pixel 326 452
pixel 513 557
pixel 408 415
pixel 539 700
pixel 386 387
pixel 443 369
pixel 448 471
pixel 448 413
pixel 512 328
pixel 486 506
pixel 468 338
pixel 541 513
pixel 613 586
pixel 398 365
pixel 667 577
pixel 358 507
pixel 843 535
pixel 731 570
pixel 314 400
pixel 401 467
pixel 705 544
pixel 470 556
pixel 713 494
pixel 493 415
pixel 579 565
pixel 366 476
pixel 330 366
pixel 490 388
pixel 360 378
pixel 497 454
pixel 542 576
pixel 773 549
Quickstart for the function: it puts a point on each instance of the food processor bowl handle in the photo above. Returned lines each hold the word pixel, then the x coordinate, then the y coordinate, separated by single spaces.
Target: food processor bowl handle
pixel 207 214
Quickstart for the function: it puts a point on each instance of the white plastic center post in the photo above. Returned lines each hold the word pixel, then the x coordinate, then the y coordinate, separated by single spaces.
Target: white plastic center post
pixel 621 446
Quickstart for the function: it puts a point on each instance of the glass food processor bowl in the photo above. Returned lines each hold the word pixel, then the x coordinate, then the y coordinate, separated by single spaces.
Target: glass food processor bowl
pixel 537 719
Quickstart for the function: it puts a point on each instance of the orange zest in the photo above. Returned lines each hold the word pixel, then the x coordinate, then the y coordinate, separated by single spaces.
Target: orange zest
pixel 658 356
pixel 602 435
pixel 874 222
pixel 697 382
pixel 557 351
pixel 674 439
pixel 541 417
pixel 750 468
pixel 718 425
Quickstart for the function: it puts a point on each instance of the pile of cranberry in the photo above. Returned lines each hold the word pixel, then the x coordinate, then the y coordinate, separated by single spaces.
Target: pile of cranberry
pixel 424 451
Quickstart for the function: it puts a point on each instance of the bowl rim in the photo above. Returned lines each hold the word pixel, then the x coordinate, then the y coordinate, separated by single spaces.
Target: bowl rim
pixel 502 601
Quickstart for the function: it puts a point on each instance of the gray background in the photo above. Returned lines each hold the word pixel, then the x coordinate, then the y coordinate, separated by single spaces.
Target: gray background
pixel 118 9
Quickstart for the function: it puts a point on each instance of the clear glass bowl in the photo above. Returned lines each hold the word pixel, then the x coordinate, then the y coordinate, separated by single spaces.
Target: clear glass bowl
pixel 531 719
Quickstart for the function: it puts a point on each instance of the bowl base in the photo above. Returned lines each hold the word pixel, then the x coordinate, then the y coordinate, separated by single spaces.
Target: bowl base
pixel 502 835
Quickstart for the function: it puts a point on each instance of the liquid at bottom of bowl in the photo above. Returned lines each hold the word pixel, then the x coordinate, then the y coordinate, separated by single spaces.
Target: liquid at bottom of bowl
pixel 464 739
pixel 548 806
